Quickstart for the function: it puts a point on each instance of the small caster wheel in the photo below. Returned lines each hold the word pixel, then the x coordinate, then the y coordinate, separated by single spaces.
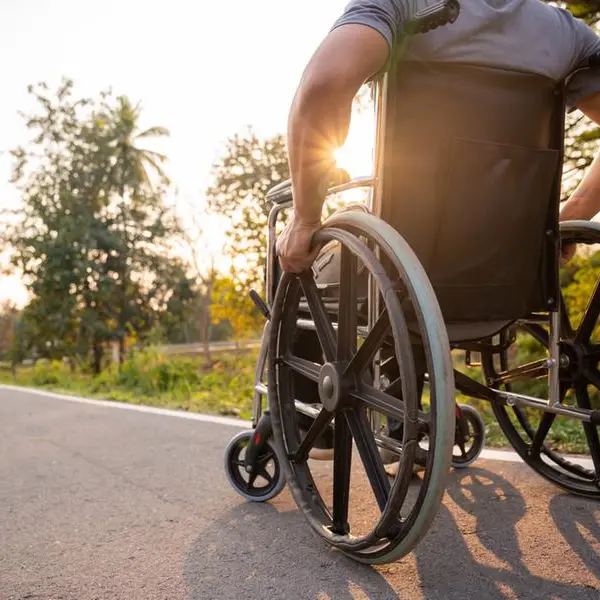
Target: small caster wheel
pixel 268 479
pixel 469 437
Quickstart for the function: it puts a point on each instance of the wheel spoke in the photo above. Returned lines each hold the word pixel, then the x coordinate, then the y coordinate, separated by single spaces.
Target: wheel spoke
pixel 382 402
pixel 375 338
pixel 342 461
pixel 320 317
pixel 369 454
pixel 591 431
pixel 594 352
pixel 586 327
pixel 346 341
pixel 542 432
pixel 317 428
pixel 251 480
pixel 304 367
pixel 593 376
pixel 263 460
pixel 266 475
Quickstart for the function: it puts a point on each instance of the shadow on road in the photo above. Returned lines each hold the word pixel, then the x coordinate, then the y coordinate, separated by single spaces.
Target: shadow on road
pixel 472 551
pixel 578 525
pixel 476 551
pixel 256 552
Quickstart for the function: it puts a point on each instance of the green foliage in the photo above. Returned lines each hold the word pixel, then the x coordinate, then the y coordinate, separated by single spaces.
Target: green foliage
pixel 231 303
pixel 9 321
pixel 151 374
pixel 48 373
pixel 242 177
pixel 92 238
pixel 578 281
pixel 587 10
pixel 149 377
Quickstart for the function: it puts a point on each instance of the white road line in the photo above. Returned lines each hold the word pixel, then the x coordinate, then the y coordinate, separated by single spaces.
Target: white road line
pixel 165 412
pixel 510 456
pixel 487 454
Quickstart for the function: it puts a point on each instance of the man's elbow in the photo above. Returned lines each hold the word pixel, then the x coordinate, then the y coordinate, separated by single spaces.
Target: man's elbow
pixel 320 92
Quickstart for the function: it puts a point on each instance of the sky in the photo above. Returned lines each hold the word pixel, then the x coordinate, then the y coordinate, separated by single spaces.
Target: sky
pixel 204 69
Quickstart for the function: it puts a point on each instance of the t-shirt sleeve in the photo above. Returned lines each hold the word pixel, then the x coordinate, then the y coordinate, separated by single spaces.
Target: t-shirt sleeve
pixel 586 44
pixel 385 16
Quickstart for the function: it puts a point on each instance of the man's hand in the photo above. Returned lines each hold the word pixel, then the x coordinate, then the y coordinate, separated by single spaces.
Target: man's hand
pixel 294 246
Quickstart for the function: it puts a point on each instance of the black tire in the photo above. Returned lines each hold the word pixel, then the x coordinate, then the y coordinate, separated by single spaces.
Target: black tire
pixel 467 451
pixel 528 430
pixel 348 396
pixel 270 482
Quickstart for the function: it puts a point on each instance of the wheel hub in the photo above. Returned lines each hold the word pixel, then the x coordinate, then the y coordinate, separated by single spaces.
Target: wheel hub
pixel 332 388
pixel 572 359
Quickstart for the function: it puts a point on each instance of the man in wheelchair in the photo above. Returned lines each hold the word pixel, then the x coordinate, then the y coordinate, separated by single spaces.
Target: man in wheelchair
pixel 460 250
pixel 469 159
pixel 516 35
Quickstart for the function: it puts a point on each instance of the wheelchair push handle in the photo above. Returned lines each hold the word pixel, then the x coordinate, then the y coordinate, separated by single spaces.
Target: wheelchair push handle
pixel 434 16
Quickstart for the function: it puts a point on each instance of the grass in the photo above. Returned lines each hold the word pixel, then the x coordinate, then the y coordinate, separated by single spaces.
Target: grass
pixel 183 383
pixel 155 379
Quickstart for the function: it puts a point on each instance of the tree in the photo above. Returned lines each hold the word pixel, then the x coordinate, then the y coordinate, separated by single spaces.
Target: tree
pixel 230 303
pixel 92 238
pixel 9 318
pixel 204 274
pixel 242 178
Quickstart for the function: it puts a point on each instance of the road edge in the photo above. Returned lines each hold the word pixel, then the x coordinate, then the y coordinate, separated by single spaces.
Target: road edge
pixel 486 454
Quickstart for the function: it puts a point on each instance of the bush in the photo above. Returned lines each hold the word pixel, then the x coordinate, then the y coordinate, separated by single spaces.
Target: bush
pixel 48 373
pixel 150 377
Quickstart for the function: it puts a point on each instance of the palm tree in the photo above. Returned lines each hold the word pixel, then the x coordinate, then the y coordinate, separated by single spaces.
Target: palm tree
pixel 132 163
pixel 132 170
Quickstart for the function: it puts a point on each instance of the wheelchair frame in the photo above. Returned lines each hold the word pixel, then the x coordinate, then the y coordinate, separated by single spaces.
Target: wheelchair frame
pixel 394 534
pixel 464 383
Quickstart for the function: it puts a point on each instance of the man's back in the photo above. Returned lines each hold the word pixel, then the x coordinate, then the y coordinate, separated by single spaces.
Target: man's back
pixel 522 35
pixel 524 39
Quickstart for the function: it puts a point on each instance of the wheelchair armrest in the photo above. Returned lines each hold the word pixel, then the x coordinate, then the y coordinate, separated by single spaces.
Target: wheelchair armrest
pixel 282 192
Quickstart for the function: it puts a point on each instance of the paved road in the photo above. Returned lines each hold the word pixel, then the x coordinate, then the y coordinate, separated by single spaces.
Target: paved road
pixel 99 503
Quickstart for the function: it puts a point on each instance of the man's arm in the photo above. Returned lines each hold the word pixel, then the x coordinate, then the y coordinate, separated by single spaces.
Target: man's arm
pixel 318 124
pixel 320 115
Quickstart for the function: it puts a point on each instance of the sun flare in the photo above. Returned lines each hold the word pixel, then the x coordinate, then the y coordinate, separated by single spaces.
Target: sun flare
pixel 356 155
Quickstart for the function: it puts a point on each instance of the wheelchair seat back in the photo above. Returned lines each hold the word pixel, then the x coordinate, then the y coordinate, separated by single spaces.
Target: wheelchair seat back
pixel 471 179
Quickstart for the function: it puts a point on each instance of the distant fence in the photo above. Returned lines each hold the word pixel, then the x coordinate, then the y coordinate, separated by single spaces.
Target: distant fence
pixel 226 346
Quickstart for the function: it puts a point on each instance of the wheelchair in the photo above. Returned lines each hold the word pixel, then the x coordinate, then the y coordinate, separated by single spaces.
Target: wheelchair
pixel 451 267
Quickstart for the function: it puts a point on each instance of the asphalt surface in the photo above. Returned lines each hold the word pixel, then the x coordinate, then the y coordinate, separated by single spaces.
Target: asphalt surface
pixel 102 503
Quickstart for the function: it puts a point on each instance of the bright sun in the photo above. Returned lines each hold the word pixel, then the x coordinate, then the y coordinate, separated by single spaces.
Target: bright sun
pixel 356 155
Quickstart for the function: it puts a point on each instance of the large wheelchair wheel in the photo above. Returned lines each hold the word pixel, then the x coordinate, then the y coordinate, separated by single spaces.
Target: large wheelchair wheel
pixel 372 520
pixel 532 433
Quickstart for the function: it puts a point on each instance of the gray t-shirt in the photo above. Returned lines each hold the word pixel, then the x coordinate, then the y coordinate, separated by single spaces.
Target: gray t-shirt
pixel 524 35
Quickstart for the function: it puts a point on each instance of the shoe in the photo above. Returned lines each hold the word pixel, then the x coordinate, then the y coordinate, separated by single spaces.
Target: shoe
pixel 392 468
pixel 388 456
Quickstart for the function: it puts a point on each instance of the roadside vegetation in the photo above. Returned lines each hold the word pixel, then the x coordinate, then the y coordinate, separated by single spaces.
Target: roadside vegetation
pixel 225 388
